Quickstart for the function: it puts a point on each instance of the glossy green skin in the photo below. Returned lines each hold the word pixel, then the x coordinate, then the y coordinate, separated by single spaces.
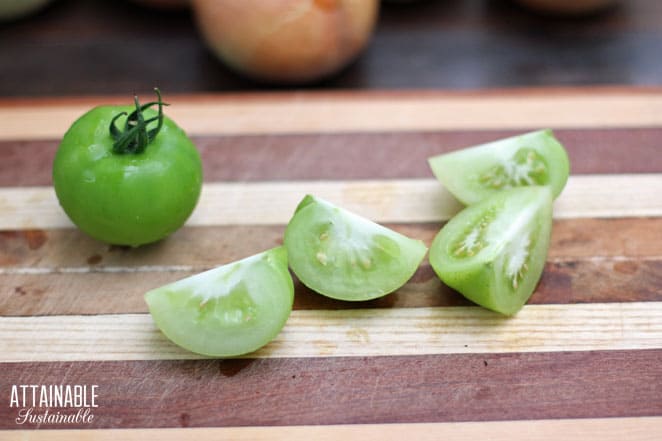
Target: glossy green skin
pixel 464 172
pixel 524 212
pixel 126 199
pixel 347 257
pixel 228 311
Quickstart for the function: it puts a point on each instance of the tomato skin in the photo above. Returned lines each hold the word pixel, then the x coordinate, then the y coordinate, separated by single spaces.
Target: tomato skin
pixel 126 199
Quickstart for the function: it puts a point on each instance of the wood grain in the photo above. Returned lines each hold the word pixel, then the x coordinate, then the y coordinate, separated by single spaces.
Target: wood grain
pixel 61 272
pixel 362 112
pixel 196 248
pixel 71 291
pixel 343 156
pixel 587 346
pixel 354 332
pixel 405 200
pixel 587 429
pixel 359 390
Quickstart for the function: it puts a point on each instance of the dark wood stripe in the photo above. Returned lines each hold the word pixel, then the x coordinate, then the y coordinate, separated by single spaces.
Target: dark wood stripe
pixel 442 388
pixel 202 247
pixel 356 156
pixel 629 267
pixel 576 281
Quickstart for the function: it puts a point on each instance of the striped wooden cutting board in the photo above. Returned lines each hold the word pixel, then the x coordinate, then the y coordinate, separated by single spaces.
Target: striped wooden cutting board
pixel 582 361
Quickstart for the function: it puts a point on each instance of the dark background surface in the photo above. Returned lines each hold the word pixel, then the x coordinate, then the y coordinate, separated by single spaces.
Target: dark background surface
pixel 84 47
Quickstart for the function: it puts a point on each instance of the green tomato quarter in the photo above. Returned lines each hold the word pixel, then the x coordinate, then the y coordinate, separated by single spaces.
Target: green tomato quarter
pixel 494 252
pixel 126 198
pixel 345 256
pixel 472 174
pixel 227 311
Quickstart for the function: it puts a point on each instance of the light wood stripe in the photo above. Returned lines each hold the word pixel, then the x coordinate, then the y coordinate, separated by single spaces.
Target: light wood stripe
pixel 359 332
pixel 360 112
pixel 589 429
pixel 406 200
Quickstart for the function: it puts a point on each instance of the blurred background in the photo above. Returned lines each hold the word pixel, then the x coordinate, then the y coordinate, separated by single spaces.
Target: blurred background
pixel 89 47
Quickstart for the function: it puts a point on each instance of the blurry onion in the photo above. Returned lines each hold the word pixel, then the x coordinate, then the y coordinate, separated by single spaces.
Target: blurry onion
pixel 12 9
pixel 288 40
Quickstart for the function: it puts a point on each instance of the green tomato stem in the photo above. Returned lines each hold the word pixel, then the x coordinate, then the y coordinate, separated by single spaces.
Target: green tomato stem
pixel 135 136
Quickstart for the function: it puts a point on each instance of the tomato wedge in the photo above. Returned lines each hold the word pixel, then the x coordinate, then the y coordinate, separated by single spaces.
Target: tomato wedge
pixel 494 252
pixel 345 256
pixel 227 311
pixel 474 173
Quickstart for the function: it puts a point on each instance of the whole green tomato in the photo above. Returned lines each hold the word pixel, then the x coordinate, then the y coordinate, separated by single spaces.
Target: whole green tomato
pixel 127 186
